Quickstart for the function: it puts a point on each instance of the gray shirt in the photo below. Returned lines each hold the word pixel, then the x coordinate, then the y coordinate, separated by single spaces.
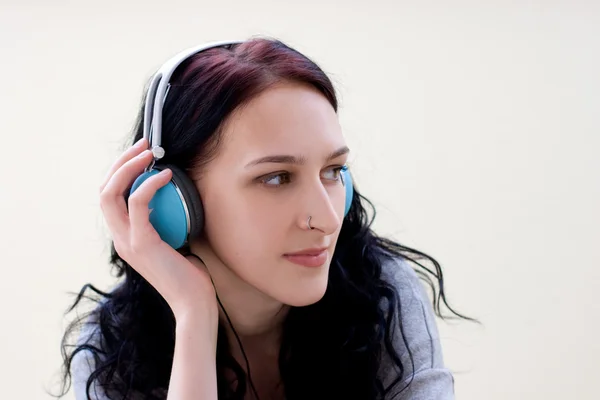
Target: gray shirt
pixel 431 381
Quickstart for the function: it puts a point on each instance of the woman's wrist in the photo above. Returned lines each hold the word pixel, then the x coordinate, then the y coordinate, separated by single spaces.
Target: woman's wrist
pixel 198 320
pixel 194 373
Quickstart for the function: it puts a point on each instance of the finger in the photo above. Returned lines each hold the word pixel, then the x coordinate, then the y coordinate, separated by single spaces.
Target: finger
pixel 112 198
pixel 138 202
pixel 131 152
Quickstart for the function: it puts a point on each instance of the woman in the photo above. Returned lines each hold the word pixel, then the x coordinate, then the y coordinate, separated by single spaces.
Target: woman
pixel 282 294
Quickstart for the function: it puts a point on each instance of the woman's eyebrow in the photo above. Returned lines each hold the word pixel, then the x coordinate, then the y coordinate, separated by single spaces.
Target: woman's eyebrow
pixel 291 159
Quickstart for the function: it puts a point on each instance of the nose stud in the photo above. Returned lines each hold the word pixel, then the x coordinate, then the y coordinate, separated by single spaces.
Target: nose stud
pixel 308 223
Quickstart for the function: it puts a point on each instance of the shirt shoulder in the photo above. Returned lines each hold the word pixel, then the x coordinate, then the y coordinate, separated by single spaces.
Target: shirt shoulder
pixel 415 329
pixel 83 363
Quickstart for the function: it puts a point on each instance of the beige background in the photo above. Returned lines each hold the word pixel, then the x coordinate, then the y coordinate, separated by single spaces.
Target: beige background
pixel 474 127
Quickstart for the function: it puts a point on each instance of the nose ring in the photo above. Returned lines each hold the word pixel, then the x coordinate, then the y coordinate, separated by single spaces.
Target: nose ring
pixel 308 223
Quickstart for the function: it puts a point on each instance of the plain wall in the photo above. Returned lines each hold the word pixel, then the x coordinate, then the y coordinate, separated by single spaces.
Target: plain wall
pixel 474 128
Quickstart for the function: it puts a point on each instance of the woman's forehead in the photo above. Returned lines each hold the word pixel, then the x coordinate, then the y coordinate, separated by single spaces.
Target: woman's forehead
pixel 283 119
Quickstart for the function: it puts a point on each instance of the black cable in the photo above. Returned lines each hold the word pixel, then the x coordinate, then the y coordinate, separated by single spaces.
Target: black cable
pixel 231 325
pixel 241 348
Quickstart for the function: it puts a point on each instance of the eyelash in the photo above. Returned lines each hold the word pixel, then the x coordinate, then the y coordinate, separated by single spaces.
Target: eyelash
pixel 264 180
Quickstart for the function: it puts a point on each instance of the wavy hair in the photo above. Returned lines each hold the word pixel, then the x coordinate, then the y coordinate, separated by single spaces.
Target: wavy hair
pixel 346 331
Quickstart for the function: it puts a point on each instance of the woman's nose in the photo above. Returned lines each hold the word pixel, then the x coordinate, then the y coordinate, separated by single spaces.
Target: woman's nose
pixel 320 208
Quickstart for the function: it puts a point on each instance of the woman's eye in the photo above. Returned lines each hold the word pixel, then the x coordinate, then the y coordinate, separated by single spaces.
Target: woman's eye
pixel 334 173
pixel 284 178
pixel 277 180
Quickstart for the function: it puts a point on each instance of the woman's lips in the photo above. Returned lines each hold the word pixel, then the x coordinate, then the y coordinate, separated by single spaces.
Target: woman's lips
pixel 308 258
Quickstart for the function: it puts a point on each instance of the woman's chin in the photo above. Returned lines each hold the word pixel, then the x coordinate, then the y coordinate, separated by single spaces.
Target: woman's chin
pixel 303 298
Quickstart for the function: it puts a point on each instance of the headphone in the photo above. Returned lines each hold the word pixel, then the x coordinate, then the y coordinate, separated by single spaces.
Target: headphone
pixel 177 211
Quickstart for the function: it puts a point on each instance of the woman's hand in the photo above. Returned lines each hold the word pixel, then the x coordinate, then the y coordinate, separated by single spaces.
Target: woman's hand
pixel 183 282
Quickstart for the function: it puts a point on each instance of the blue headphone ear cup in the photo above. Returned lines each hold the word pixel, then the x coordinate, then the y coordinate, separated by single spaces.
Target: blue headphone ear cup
pixel 177 211
pixel 192 199
pixel 347 179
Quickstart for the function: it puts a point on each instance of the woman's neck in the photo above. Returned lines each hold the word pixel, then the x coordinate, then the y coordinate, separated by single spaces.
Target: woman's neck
pixel 256 317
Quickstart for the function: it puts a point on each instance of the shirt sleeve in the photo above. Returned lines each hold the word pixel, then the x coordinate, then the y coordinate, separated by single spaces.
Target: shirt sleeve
pixel 83 364
pixel 432 380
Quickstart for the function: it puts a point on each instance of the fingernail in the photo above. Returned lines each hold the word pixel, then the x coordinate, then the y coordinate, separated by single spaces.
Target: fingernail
pixel 143 154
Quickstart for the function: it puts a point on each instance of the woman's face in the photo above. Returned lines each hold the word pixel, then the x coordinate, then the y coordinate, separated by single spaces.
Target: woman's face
pixel 279 163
